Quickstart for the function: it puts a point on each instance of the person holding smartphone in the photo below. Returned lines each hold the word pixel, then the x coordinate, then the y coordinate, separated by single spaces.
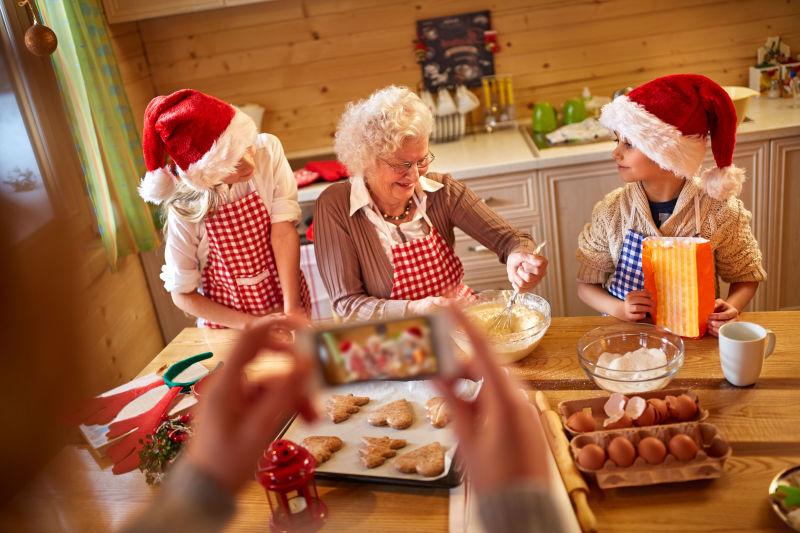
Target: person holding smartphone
pixel 500 438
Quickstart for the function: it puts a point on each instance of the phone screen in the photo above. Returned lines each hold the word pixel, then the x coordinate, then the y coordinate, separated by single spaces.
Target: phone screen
pixel 393 350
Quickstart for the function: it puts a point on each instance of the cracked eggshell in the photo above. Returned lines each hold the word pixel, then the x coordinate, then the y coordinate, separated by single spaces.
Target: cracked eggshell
pixel 620 423
pixel 660 407
pixel 682 407
pixel 582 422
pixel 647 418
pixel 635 407
pixel 615 405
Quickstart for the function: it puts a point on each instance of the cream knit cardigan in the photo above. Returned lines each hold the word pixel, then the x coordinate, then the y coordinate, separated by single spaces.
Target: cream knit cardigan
pixel 725 223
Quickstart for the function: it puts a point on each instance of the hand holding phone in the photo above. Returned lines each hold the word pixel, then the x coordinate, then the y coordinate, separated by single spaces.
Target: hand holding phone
pixel 399 349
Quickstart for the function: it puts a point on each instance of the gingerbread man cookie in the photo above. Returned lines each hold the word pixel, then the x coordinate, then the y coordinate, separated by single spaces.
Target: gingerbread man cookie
pixel 437 411
pixel 427 461
pixel 398 415
pixel 377 449
pixel 322 448
pixel 341 406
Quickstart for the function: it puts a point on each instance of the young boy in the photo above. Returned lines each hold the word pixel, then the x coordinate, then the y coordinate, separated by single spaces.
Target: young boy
pixel 661 130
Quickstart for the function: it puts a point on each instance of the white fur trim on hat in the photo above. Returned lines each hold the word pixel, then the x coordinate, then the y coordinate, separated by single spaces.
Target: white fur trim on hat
pixel 722 183
pixel 157 185
pixel 220 160
pixel 660 141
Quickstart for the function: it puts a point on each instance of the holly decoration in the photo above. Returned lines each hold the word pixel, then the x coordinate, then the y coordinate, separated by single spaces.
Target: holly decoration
pixel 420 50
pixel 490 41
pixel 161 449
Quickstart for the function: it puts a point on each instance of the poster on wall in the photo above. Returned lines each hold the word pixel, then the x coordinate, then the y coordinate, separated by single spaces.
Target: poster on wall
pixel 454 50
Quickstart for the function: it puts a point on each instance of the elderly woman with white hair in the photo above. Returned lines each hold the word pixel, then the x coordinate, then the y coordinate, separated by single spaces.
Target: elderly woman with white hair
pixel 384 240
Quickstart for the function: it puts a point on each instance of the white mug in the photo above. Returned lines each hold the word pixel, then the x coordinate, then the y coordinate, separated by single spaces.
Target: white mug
pixel 743 346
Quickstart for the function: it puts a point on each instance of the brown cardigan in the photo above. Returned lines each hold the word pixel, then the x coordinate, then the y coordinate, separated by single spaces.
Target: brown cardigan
pixel 354 268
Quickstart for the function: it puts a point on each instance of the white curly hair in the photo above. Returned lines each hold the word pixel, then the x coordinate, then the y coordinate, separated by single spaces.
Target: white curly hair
pixel 378 125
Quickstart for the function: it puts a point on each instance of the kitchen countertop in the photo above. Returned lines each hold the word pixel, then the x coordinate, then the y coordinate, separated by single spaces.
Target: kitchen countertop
pixel 508 151
pixel 76 493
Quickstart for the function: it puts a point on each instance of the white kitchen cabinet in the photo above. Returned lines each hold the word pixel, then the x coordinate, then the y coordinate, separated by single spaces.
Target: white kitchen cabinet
pixel 513 197
pixel 482 268
pixel 753 158
pixel 128 10
pixel 567 196
pixel 782 237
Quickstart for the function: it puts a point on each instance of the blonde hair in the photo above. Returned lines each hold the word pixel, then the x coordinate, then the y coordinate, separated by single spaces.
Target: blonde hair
pixel 378 125
pixel 190 204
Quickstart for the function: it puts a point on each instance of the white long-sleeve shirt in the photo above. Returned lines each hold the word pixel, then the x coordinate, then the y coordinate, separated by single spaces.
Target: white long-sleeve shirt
pixel 186 249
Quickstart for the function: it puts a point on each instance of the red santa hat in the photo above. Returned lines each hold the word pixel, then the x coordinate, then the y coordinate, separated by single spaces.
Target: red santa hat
pixel 668 120
pixel 204 136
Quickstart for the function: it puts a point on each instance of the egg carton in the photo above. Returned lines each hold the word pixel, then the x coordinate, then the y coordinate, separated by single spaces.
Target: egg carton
pixel 713 451
pixel 568 407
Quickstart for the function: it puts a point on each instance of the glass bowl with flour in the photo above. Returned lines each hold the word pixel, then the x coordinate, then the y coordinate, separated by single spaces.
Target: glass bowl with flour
pixel 630 358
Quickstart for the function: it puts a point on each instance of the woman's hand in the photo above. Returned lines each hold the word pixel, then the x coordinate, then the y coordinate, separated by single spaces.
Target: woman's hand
pixel 499 433
pixel 427 305
pixel 635 306
pixel 525 270
pixel 723 313
pixel 237 418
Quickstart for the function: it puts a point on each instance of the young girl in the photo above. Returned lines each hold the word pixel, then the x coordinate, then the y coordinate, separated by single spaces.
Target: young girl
pixel 661 130
pixel 232 252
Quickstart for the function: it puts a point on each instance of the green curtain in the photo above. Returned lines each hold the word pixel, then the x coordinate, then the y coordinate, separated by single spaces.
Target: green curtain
pixel 102 125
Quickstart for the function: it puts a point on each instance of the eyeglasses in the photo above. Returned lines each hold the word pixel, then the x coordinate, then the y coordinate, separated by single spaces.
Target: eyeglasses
pixel 405 166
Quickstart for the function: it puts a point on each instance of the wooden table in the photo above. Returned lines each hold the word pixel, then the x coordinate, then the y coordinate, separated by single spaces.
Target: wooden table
pixel 761 422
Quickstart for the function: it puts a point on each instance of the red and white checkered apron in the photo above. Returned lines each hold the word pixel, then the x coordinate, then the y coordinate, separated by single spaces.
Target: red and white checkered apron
pixel 240 272
pixel 427 266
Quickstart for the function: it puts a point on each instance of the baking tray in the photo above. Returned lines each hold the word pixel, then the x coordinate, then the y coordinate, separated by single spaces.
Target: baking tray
pixel 345 465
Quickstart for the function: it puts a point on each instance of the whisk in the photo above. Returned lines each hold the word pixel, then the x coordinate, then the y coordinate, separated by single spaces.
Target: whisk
pixel 503 319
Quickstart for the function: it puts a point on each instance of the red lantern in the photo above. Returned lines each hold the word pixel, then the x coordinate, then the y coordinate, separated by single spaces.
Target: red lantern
pixel 286 471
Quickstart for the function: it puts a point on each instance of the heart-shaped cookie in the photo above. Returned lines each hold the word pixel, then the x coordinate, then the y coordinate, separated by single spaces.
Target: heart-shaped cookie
pixel 398 415
pixel 427 461
pixel 341 406
pixel 322 447
pixel 377 449
pixel 437 412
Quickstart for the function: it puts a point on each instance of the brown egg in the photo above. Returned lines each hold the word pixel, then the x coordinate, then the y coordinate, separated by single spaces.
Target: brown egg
pixel 648 416
pixel 592 457
pixel 581 422
pixel 682 447
pixel 660 406
pixel 622 423
pixel 682 407
pixel 622 452
pixel 652 450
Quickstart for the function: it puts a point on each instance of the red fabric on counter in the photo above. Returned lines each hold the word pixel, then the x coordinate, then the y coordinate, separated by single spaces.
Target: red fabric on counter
pixel 331 170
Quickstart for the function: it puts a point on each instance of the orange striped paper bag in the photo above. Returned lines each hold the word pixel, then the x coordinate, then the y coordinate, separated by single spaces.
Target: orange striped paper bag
pixel 679 273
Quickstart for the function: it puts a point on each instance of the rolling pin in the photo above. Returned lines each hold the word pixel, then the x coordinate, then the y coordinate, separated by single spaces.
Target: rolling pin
pixel 573 480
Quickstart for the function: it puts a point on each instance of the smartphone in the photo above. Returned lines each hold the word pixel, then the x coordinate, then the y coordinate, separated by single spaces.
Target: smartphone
pixel 397 349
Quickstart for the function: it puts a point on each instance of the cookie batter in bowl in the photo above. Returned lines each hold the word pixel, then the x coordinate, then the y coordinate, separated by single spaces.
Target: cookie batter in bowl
pixel 529 322
pixel 522 318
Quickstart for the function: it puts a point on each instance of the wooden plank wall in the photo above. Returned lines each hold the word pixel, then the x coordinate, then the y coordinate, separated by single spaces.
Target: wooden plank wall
pixel 126 41
pixel 304 59
pixel 117 315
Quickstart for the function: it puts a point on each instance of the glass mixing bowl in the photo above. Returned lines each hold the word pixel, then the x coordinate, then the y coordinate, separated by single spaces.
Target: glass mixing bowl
pixel 508 347
pixel 623 338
